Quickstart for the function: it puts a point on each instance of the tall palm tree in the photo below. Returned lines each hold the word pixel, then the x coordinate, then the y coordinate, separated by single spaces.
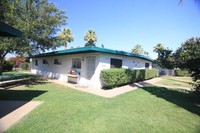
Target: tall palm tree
pixel 90 37
pixel 158 48
pixel 66 36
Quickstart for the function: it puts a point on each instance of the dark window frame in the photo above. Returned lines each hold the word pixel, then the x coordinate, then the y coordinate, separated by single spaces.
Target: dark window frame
pixel 57 62
pixel 44 61
pixel 36 62
pixel 115 63
pixel 147 65
pixel 76 63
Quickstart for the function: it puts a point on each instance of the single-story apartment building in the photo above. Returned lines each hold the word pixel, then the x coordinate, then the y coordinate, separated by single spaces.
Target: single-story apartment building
pixel 84 64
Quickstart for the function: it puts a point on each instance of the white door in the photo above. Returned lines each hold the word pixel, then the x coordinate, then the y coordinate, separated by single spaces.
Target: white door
pixel 90 64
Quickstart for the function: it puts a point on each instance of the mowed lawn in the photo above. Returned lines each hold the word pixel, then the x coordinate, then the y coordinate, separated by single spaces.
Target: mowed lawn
pixel 149 109
pixel 176 81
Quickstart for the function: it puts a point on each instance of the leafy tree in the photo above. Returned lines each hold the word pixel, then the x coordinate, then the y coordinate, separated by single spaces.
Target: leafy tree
pixel 4 4
pixel 67 36
pixel 90 37
pixel 188 57
pixel 189 50
pixel 7 66
pixel 38 19
pixel 165 57
pixel 137 49
pixel 17 60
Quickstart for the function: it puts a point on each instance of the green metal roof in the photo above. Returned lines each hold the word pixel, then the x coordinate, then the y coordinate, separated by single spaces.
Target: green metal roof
pixel 90 49
pixel 8 31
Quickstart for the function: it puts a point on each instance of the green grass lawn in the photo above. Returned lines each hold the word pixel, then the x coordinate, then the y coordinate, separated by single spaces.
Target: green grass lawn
pixel 150 109
pixel 175 81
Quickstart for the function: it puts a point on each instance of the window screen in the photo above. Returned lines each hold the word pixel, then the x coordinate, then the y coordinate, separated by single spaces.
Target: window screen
pixel 115 63
pixel 76 63
pixel 44 61
pixel 36 62
pixel 146 65
pixel 57 61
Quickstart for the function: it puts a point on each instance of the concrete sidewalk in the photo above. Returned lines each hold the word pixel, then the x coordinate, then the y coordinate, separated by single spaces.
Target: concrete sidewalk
pixel 108 93
pixel 19 110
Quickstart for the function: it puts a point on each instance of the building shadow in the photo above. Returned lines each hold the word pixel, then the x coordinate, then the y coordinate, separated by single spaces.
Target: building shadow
pixel 11 100
pixel 188 100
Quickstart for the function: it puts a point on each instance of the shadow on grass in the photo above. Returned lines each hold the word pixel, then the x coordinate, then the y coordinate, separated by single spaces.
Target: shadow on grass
pixel 11 100
pixel 186 99
pixel 24 95
pixel 33 80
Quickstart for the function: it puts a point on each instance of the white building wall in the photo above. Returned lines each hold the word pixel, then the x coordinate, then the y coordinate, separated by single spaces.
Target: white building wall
pixel 127 62
pixel 60 72
pixel 102 61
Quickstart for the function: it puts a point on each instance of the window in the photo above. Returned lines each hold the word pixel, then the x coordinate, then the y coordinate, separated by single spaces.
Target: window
pixel 146 65
pixel 57 61
pixel 36 62
pixel 115 63
pixel 44 61
pixel 76 63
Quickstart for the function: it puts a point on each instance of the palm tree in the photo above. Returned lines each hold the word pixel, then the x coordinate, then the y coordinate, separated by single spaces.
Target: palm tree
pixel 158 48
pixel 137 49
pixel 90 37
pixel 66 36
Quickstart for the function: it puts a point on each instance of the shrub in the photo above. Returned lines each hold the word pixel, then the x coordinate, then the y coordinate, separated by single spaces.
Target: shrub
pixel 144 74
pixel 7 66
pixel 180 72
pixel 116 77
pixel 25 66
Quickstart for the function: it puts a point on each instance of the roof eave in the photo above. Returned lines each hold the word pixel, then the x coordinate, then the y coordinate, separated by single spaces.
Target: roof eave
pixel 92 49
pixel 8 31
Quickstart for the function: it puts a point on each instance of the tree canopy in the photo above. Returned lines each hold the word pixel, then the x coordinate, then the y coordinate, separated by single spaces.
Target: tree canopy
pixel 189 50
pixel 165 56
pixel 188 57
pixel 137 49
pixel 39 20
pixel 66 36
pixel 91 38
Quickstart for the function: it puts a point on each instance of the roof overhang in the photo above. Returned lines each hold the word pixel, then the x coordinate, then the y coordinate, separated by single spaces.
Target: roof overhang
pixel 91 49
pixel 8 31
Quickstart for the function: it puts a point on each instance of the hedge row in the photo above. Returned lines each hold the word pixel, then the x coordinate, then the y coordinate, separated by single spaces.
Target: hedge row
pixel 6 77
pixel 117 77
pixel 144 74
pixel 180 72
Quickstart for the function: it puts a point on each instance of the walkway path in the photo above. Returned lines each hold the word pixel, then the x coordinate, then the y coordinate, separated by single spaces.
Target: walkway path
pixel 21 108
pixel 108 93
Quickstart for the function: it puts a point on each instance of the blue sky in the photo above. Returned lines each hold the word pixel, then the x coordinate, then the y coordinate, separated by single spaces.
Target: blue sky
pixel 121 24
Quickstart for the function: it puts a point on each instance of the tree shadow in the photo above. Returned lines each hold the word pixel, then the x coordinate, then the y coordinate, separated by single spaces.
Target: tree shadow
pixel 24 95
pixel 34 80
pixel 11 100
pixel 188 100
